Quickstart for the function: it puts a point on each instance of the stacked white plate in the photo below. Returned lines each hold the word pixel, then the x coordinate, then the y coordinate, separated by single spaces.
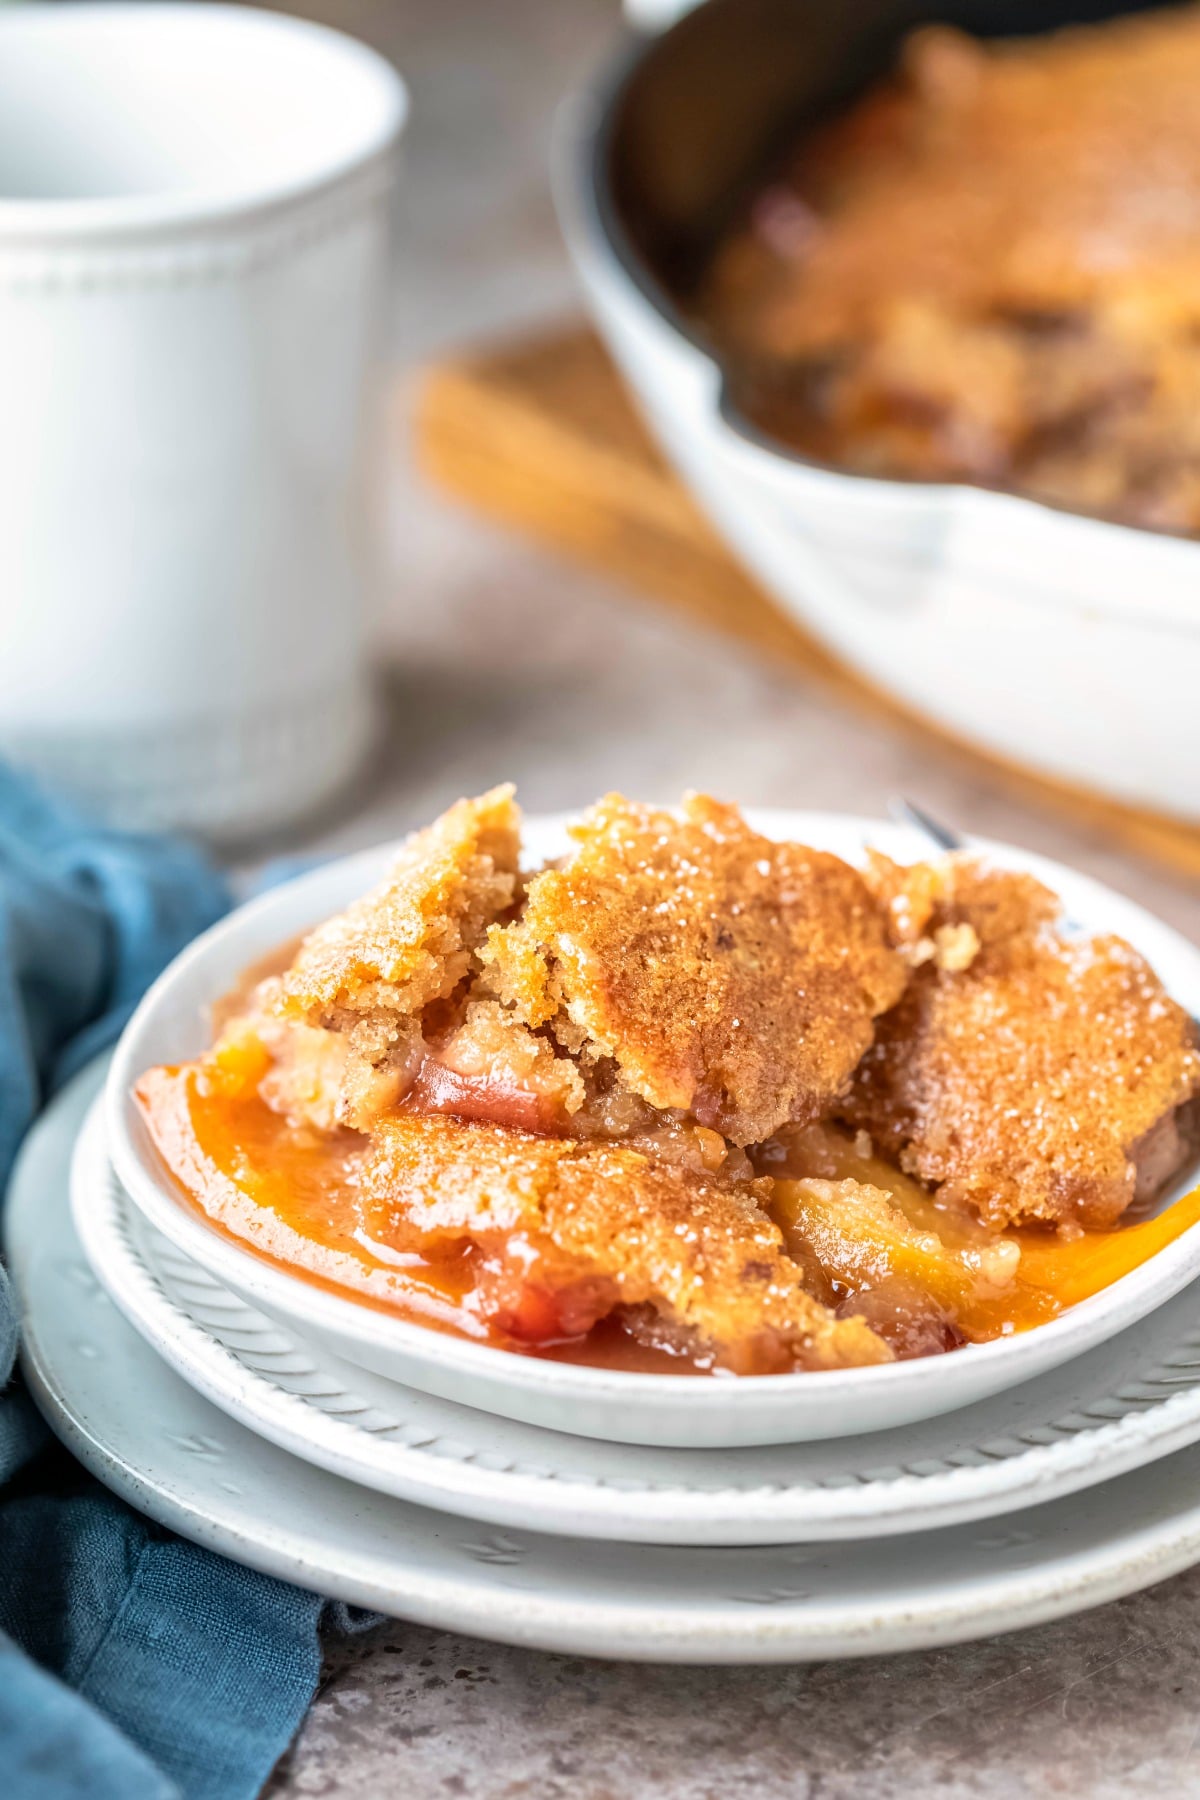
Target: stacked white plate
pixel 766 1520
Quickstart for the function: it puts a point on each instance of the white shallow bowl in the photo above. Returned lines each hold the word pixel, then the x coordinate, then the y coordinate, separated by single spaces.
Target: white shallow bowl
pixel 1131 1400
pixel 1058 642
pixel 145 1433
pixel 170 1026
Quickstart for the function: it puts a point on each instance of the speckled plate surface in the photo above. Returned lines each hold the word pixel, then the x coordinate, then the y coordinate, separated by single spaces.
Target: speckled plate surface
pixel 1131 1400
pixel 150 1437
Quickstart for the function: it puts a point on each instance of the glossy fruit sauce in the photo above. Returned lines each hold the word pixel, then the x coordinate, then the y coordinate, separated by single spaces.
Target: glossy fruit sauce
pixel 928 1278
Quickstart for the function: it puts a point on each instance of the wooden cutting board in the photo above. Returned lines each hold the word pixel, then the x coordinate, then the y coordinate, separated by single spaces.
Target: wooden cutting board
pixel 542 434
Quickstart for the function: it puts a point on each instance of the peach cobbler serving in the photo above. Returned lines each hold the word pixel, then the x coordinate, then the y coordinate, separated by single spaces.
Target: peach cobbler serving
pixel 987 269
pixel 689 1098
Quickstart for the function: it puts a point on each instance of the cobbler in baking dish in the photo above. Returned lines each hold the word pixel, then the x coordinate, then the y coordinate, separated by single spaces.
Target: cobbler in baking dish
pixel 987 269
pixel 690 1098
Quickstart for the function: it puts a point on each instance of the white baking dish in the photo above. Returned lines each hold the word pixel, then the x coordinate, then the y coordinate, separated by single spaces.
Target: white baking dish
pixel 1052 640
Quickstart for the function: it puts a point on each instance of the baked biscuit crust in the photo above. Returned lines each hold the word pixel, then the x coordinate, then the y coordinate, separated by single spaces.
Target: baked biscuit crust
pixel 728 976
pixel 412 939
pixel 599 1226
pixel 1042 1081
pixel 986 269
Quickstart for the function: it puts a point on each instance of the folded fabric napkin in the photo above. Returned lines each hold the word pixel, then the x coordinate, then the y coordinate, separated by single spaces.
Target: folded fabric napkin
pixel 132 1664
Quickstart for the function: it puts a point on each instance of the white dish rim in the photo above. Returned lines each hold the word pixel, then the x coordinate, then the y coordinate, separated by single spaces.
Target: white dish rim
pixel 48 222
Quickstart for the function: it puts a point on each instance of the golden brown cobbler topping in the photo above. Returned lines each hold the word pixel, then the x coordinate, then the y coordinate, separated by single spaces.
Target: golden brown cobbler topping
pixel 576 1229
pixel 726 975
pixel 988 268
pixel 1040 1081
pixel 411 940
pixel 349 1016
pixel 623 1023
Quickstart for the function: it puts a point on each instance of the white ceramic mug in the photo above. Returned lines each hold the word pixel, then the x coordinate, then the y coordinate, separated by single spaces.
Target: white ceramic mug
pixel 193 245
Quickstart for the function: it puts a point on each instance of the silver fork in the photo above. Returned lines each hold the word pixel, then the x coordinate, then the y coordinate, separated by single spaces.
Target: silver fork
pixel 907 812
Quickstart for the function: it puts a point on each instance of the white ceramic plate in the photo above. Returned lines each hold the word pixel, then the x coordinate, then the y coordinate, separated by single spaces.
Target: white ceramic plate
pixel 170 1026
pixel 148 1436
pixel 1123 1404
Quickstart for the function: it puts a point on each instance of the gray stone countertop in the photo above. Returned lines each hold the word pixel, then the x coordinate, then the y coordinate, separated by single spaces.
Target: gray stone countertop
pixel 503 662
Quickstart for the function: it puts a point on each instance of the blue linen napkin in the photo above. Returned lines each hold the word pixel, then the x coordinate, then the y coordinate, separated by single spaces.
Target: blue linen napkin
pixel 133 1665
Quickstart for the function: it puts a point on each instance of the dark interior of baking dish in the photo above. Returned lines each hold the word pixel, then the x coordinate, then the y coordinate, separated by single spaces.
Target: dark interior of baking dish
pixel 693 118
